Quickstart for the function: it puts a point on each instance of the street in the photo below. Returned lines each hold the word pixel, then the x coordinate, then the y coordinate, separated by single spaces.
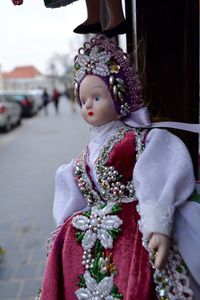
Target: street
pixel 29 157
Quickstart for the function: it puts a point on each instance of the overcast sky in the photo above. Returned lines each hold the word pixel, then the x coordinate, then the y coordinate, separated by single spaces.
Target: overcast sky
pixel 30 34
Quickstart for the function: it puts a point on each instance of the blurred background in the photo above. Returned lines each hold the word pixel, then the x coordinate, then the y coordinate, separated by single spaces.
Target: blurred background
pixel 37 115
pixel 41 127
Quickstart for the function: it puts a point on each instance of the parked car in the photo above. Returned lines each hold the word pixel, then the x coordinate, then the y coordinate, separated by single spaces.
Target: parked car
pixel 27 103
pixel 10 114
pixel 37 94
pixel 26 99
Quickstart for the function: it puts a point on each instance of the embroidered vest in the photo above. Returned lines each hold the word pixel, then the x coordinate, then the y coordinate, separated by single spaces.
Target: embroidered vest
pixel 114 168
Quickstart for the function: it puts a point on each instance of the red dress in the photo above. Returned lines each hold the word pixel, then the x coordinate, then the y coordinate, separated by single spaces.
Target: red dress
pixel 109 261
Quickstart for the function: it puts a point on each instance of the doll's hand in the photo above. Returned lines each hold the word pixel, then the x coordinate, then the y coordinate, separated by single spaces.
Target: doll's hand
pixel 160 243
pixel 17 2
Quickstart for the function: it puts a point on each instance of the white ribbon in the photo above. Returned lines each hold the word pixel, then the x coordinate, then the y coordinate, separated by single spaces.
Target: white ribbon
pixel 141 119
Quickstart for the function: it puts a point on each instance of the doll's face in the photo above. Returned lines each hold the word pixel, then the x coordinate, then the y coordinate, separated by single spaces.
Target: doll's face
pixel 97 104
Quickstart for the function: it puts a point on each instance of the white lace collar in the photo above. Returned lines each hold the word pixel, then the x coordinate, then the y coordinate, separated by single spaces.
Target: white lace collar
pixel 100 133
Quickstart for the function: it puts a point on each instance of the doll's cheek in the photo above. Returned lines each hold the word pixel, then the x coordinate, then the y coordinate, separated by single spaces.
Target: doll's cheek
pixel 85 119
pixel 83 114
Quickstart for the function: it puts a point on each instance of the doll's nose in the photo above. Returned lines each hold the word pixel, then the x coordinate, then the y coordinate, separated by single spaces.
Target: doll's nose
pixel 89 103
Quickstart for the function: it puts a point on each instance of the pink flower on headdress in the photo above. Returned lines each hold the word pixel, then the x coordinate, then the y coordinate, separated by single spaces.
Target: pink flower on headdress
pixel 94 62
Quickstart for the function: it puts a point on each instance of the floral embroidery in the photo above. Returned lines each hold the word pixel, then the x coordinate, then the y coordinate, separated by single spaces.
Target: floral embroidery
pixel 97 229
pixel 93 62
pixel 99 225
pixel 114 67
pixel 94 290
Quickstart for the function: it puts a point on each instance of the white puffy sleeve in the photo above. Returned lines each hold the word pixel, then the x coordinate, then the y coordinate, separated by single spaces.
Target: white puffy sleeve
pixel 163 178
pixel 68 198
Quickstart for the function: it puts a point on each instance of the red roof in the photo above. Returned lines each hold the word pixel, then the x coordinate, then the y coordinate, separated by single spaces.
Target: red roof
pixel 22 72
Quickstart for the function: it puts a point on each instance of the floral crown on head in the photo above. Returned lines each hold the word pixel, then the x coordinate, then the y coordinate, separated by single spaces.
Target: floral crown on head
pixel 103 58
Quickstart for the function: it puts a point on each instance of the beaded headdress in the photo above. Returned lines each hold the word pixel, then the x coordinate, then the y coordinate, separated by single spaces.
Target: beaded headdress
pixel 103 58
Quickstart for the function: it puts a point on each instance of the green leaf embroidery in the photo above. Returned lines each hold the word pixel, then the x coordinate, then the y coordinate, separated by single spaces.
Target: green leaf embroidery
pixel 79 236
pixel 82 281
pixel 87 214
pixel 114 232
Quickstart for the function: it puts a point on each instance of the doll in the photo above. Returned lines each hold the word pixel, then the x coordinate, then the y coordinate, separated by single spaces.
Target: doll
pixel 117 23
pixel 117 236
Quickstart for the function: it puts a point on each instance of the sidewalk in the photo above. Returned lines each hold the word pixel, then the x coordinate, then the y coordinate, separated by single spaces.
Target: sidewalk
pixel 29 157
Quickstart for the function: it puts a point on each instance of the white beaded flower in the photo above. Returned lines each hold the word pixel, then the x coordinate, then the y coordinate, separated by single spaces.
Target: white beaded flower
pixel 94 290
pixel 94 63
pixel 97 226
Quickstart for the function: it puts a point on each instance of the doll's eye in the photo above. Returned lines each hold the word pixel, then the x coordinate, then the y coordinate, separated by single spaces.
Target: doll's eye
pixel 97 98
pixel 83 102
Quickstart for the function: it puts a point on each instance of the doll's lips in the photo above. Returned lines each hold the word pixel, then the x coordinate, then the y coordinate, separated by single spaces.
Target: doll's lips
pixel 90 113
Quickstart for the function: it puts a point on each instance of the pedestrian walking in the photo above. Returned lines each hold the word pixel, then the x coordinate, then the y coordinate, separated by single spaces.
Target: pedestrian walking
pixel 55 99
pixel 124 220
pixel 45 99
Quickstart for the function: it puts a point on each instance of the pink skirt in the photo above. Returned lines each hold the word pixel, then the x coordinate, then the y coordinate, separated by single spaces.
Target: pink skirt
pixel 134 274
